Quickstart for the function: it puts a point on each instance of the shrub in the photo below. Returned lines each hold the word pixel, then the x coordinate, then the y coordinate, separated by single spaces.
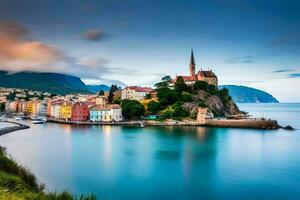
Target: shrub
pixel 202 104
pixel 132 109
pixel 180 85
pixel 153 107
pixel 201 85
pixel 166 96
pixel 223 94
pixel 186 97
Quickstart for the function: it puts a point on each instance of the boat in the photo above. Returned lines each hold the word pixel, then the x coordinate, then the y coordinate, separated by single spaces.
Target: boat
pixel 38 121
pixel 20 117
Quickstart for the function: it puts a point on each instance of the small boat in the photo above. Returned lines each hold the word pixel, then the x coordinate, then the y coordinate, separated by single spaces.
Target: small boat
pixel 19 117
pixel 38 121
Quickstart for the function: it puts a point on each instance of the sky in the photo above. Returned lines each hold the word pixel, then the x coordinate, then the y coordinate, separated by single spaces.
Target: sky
pixel 253 43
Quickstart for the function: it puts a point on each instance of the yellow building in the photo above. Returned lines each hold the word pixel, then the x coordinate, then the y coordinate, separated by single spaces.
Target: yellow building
pixel 30 107
pixel 101 100
pixel 65 111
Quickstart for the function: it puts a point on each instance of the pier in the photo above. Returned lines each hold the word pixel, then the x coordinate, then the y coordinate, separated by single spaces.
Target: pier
pixel 10 129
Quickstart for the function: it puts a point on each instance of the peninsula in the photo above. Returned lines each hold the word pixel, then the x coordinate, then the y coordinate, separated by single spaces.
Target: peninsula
pixel 193 99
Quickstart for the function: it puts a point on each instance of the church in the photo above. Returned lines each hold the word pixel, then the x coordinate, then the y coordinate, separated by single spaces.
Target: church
pixel 207 76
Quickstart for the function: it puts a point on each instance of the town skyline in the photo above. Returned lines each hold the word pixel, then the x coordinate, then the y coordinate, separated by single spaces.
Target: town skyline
pixel 255 44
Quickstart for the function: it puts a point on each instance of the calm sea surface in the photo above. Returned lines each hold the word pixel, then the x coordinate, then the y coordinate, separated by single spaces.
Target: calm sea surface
pixel 166 163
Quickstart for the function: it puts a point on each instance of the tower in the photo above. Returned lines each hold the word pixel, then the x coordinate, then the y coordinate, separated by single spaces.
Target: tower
pixel 192 64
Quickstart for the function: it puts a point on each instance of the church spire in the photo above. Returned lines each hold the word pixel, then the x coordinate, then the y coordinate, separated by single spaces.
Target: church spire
pixel 192 64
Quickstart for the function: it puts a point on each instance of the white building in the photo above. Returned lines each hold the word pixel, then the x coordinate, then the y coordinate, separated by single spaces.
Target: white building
pixel 42 109
pixel 55 107
pixel 106 113
pixel 135 93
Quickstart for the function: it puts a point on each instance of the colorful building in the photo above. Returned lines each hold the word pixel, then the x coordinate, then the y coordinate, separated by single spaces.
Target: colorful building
pixel 80 111
pixel 55 109
pixel 106 113
pixel 65 111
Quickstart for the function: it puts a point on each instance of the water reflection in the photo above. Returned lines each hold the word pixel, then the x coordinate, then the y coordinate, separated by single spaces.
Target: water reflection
pixel 161 162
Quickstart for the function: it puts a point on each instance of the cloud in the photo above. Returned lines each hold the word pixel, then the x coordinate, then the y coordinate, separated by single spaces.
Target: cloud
pixel 241 59
pixel 282 71
pixel 94 35
pixel 294 75
pixel 19 53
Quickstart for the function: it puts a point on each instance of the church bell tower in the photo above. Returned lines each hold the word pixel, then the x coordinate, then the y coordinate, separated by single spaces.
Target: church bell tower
pixel 192 64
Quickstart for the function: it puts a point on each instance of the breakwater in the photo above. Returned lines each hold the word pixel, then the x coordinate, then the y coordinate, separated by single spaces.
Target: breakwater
pixel 10 129
pixel 252 123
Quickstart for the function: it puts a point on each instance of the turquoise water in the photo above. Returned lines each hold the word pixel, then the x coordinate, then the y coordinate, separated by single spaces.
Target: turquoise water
pixel 166 163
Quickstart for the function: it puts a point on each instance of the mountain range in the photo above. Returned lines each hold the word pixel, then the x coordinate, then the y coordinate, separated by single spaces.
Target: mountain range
pixel 243 94
pixel 65 84
pixel 46 82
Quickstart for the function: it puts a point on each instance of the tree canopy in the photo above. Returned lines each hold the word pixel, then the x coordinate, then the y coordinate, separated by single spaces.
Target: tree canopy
pixel 132 109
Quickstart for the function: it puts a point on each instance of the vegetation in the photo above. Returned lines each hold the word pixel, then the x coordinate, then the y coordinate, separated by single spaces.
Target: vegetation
pixel 2 107
pixel 101 93
pixel 153 107
pixel 113 88
pixel 132 109
pixel 17 183
pixel 223 94
pixel 173 101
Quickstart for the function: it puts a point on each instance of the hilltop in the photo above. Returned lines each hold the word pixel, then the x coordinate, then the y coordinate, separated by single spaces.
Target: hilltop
pixel 46 82
pixel 243 94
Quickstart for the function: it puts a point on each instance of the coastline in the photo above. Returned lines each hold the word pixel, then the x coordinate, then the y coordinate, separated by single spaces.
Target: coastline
pixel 252 123
pixel 10 129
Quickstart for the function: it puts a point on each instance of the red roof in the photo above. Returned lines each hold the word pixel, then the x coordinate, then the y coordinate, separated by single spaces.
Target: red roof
pixel 139 89
pixel 207 74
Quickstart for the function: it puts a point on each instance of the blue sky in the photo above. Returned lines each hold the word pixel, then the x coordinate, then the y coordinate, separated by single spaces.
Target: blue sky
pixel 252 43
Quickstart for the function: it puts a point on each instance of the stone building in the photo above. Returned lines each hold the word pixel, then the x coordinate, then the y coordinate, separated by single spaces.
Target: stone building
pixel 202 75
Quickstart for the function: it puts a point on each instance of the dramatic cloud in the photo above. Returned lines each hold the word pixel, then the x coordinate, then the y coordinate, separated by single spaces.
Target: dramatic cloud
pixel 242 59
pixel 18 53
pixel 93 35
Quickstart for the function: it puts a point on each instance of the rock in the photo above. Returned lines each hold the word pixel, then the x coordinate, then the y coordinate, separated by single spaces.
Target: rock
pixel 214 103
pixel 289 128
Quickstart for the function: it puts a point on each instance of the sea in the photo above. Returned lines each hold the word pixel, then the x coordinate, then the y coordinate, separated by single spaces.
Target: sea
pixel 119 162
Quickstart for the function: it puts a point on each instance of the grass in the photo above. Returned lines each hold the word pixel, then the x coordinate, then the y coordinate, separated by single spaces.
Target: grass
pixel 18 183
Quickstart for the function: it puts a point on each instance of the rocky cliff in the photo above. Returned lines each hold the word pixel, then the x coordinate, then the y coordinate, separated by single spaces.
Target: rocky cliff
pixel 216 105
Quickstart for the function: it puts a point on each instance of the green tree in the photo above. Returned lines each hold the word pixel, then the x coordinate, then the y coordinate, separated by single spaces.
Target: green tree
pixel 201 85
pixel 186 97
pixel 166 96
pixel 2 107
pixel 179 111
pixel 148 96
pixel 132 109
pixel 224 95
pixel 153 107
pixel 165 81
pixel 101 93
pixel 180 85
pixel 166 78
pixel 113 88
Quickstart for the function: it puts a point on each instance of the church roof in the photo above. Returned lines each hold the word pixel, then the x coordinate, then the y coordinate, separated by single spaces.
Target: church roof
pixel 207 74
pixel 192 61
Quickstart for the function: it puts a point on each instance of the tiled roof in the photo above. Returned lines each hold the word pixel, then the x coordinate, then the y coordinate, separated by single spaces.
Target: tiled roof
pixel 139 89
pixel 207 74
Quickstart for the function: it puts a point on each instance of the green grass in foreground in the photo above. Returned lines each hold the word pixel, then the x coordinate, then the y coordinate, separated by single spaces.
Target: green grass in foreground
pixel 17 183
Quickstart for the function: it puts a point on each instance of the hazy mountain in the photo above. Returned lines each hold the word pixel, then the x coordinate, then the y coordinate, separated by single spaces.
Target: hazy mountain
pixel 242 94
pixel 97 88
pixel 48 82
